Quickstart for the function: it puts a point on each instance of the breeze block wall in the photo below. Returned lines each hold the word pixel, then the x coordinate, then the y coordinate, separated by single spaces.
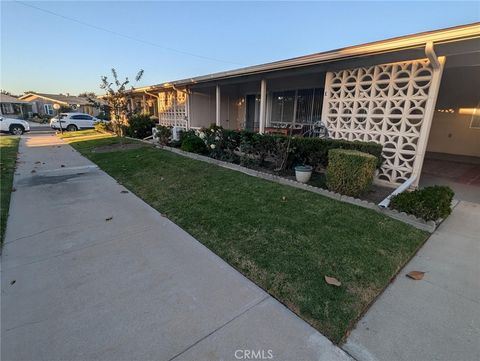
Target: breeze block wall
pixel 390 104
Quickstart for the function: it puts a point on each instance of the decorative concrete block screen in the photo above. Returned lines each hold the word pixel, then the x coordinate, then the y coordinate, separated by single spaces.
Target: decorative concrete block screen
pixel 386 104
pixel 172 109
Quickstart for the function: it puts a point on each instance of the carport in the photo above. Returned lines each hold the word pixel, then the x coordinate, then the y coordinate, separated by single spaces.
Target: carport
pixel 453 148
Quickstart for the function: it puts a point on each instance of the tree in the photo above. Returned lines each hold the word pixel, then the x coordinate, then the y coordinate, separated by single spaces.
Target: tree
pixel 4 92
pixel 118 97
pixel 88 95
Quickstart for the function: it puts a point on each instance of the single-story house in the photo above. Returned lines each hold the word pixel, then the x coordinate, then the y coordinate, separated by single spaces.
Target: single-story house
pixel 43 103
pixel 416 95
pixel 12 107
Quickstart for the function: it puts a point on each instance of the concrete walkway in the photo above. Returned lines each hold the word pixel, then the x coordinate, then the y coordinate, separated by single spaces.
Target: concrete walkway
pixel 437 318
pixel 76 286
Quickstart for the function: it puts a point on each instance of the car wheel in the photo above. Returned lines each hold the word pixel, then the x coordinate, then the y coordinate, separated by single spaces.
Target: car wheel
pixel 16 130
pixel 72 128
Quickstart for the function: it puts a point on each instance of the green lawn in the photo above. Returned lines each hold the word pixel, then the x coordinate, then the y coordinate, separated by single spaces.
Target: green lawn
pixel 284 239
pixel 8 157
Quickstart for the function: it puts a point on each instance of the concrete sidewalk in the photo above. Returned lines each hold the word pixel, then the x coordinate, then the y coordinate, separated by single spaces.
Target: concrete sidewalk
pixel 437 318
pixel 77 286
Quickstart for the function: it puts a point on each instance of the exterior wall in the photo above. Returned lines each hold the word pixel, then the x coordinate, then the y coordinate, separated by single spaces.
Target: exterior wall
pixel 39 103
pixel 202 108
pixel 451 133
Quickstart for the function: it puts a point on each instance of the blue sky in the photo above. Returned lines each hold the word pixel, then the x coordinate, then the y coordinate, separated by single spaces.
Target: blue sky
pixel 48 53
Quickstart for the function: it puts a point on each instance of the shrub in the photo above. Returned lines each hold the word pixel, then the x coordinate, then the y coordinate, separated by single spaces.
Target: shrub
pixel 103 127
pixel 256 148
pixel 140 126
pixel 164 134
pixel 430 203
pixel 350 172
pixel 190 142
pixel 314 151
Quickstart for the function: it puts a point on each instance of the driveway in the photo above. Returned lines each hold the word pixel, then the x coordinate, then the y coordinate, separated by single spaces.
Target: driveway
pixel 91 272
pixel 437 318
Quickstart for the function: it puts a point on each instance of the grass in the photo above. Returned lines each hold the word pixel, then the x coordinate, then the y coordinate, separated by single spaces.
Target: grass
pixel 284 239
pixel 8 157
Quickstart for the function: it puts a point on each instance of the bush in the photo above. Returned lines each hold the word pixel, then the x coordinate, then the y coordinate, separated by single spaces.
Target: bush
pixel 190 142
pixel 140 126
pixel 350 172
pixel 430 203
pixel 314 151
pixel 164 134
pixel 103 127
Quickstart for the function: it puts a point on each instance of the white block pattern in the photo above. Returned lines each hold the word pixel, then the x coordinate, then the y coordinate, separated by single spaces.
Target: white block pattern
pixel 172 109
pixel 384 104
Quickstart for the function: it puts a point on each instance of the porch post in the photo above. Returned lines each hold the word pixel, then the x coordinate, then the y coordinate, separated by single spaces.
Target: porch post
pixel 217 106
pixel 263 106
pixel 187 108
pixel 427 120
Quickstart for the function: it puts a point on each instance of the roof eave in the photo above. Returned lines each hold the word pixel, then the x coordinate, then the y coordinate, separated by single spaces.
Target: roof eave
pixel 458 33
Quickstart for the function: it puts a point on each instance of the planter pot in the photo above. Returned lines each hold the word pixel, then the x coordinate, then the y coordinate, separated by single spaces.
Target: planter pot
pixel 303 173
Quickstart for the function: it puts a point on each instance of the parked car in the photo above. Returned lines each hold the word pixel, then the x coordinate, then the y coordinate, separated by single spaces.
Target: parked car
pixel 73 121
pixel 14 126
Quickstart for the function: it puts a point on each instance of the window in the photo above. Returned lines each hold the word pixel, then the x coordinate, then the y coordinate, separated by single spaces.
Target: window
pixel 48 109
pixel 81 117
pixel 303 106
pixel 7 108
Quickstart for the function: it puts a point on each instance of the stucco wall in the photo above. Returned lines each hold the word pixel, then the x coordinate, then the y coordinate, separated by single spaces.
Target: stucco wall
pixel 451 133
pixel 201 113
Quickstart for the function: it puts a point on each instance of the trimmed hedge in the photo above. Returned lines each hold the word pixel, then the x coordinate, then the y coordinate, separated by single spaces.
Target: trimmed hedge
pixel 314 151
pixel 350 172
pixel 429 203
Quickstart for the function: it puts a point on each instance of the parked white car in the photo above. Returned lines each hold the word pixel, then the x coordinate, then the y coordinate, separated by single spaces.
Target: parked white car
pixel 14 126
pixel 73 121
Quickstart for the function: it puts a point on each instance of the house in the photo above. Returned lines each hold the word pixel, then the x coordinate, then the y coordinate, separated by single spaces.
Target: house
pixel 12 107
pixel 417 95
pixel 43 103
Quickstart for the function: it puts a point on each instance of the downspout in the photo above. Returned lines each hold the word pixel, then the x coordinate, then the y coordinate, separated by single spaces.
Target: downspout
pixel 157 97
pixel 404 186
pixel 433 59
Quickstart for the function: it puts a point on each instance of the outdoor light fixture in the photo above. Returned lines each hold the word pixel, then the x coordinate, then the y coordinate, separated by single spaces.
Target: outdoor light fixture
pixel 57 108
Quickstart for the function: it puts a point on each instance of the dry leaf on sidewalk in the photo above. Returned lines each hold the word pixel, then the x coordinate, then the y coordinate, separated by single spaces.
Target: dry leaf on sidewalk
pixel 415 275
pixel 332 281
pixel 123 191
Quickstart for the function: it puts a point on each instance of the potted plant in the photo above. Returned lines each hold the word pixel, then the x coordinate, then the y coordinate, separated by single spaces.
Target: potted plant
pixel 303 173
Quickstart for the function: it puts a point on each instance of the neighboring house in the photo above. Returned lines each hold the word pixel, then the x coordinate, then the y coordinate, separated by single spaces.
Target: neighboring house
pixel 43 103
pixel 12 107
pixel 412 94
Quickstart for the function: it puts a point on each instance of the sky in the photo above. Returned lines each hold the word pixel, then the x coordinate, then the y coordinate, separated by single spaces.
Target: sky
pixel 65 47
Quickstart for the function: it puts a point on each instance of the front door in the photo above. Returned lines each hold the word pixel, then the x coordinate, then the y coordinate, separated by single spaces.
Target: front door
pixel 253 107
